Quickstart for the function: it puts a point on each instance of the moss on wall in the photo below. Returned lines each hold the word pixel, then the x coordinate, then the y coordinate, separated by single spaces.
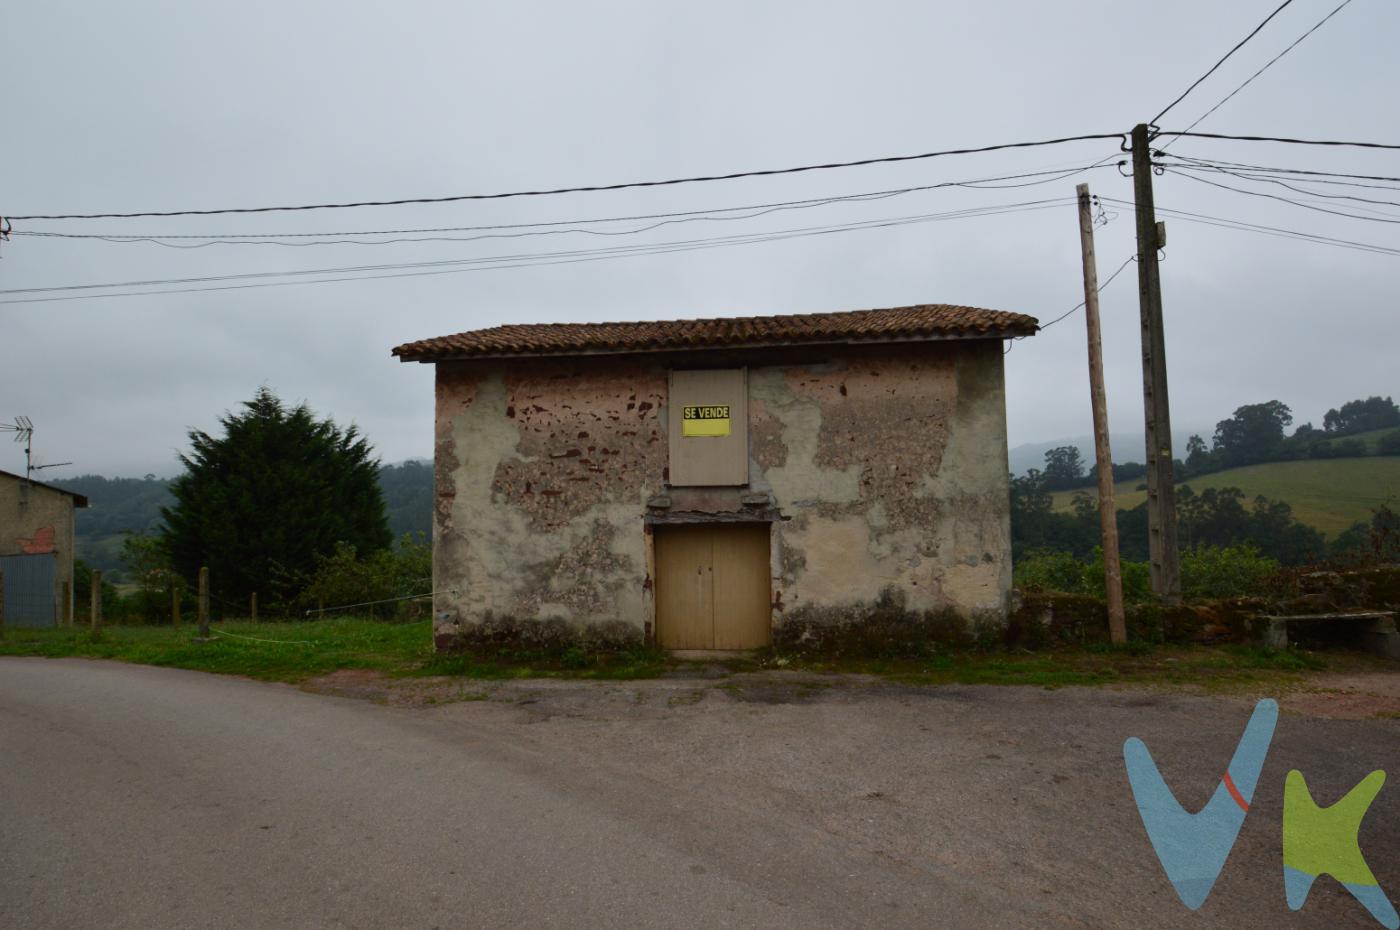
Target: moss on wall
pixel 885 628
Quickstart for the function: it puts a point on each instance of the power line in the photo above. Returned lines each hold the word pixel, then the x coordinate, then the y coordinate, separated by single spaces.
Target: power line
pixel 1277 231
pixel 1222 61
pixel 1305 206
pixel 1322 176
pixel 1281 139
pixel 543 228
pixel 1261 178
pixel 607 249
pixel 1268 64
pixel 586 189
pixel 1102 287
pixel 526 260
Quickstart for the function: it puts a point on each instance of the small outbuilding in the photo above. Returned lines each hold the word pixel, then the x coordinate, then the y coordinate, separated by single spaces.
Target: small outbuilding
pixel 722 484
pixel 36 550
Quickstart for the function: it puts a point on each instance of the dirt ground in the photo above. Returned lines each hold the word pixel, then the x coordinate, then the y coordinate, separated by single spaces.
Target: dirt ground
pixel 1010 790
pixel 1350 695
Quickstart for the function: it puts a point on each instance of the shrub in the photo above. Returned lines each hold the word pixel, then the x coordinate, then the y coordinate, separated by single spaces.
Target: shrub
pixel 1044 570
pixel 1389 444
pixel 1136 578
pixel 387 575
pixel 1063 573
pixel 1209 572
pixel 1338 449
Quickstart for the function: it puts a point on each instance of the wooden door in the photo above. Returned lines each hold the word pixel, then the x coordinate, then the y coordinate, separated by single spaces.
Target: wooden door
pixel 712 586
pixel 685 583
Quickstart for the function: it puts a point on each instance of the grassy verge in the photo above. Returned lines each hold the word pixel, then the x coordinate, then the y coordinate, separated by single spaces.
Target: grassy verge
pixel 1138 663
pixel 272 651
pixel 294 652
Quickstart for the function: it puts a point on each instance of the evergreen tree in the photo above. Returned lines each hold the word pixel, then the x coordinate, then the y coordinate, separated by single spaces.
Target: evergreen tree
pixel 278 489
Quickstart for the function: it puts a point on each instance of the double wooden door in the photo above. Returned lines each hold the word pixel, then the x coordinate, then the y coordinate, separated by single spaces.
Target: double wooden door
pixel 712 586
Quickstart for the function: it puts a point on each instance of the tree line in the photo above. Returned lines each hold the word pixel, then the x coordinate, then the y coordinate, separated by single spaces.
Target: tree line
pixel 1214 518
pixel 1253 435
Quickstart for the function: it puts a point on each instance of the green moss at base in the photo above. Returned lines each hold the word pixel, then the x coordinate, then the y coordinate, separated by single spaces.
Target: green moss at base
pixel 886 628
pixel 545 638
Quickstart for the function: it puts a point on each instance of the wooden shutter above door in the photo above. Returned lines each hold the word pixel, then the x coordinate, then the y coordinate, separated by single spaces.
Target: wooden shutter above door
pixel 714 451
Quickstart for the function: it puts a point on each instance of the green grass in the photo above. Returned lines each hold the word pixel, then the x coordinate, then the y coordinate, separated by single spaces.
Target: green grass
pixel 1137 663
pixel 294 652
pixel 1327 494
pixel 302 650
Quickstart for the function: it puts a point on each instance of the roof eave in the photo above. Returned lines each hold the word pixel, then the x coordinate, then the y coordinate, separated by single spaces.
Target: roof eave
pixel 426 358
pixel 79 500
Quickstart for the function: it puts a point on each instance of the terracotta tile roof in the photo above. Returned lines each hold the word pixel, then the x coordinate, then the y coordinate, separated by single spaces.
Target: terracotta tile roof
pixel 925 322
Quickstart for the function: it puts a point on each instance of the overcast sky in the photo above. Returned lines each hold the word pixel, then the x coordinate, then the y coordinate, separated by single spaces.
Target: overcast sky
pixel 144 106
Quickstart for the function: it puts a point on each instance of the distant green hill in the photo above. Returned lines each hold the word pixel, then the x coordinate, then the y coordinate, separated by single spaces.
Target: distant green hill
pixel 1328 494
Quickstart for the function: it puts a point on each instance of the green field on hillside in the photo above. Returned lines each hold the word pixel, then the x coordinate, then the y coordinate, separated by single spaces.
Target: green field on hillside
pixel 1372 437
pixel 1328 494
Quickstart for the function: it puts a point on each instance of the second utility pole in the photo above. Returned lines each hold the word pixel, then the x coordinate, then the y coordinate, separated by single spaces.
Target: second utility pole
pixel 1161 487
pixel 1103 456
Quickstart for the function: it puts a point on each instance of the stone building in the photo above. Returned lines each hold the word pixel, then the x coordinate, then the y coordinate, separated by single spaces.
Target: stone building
pixel 36 549
pixel 722 484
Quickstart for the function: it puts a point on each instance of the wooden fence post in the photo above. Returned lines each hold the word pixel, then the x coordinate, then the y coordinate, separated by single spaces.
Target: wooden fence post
pixel 65 611
pixel 204 602
pixel 254 613
pixel 96 618
pixel 175 605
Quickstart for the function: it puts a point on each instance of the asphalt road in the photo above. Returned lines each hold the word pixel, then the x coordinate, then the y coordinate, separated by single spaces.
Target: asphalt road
pixel 153 798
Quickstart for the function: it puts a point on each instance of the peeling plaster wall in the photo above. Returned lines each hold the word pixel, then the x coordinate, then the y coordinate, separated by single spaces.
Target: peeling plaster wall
pixel 892 467
pixel 543 470
pixel 884 466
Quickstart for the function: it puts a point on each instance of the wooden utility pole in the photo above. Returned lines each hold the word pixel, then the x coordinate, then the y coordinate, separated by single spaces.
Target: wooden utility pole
pixel 253 607
pixel 1161 487
pixel 96 618
pixel 2 605
pixel 175 606
pixel 204 602
pixel 1103 456
pixel 67 606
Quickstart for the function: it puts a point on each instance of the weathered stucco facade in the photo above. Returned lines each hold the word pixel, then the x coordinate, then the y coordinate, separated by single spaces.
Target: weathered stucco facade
pixel 881 470
pixel 36 519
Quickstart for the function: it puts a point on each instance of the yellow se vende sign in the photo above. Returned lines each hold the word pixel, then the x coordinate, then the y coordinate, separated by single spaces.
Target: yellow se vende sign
pixel 705 421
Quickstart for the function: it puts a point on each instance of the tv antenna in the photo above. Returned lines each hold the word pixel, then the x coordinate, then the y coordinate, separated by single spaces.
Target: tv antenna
pixel 23 428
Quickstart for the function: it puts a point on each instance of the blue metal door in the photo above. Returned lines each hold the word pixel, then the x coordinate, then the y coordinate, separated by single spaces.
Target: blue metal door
pixel 30 590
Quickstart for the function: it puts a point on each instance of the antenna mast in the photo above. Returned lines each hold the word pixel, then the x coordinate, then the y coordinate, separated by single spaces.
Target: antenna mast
pixel 23 428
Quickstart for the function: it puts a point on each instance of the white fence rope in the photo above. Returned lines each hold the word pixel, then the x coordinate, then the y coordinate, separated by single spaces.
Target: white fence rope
pixel 387 600
pixel 283 642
